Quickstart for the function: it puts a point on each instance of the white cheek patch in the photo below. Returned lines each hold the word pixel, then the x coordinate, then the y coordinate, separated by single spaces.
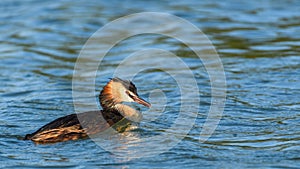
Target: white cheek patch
pixel 127 98
pixel 121 93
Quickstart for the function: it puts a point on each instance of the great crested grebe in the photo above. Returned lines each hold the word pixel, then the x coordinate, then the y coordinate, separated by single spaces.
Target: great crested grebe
pixel 76 126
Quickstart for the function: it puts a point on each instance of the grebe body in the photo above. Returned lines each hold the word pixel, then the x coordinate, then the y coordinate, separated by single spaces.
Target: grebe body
pixel 77 126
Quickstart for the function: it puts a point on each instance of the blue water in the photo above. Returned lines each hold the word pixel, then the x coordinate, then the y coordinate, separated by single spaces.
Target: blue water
pixel 258 43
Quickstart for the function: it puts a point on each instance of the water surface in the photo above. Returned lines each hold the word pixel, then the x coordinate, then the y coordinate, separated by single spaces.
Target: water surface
pixel 258 42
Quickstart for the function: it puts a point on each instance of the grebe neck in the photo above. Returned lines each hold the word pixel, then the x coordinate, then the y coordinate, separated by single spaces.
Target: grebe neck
pixel 109 104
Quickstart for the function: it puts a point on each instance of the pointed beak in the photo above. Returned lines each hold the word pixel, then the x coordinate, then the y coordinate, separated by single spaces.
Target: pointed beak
pixel 141 101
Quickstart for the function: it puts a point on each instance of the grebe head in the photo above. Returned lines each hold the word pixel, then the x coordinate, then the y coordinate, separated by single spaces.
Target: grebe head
pixel 117 91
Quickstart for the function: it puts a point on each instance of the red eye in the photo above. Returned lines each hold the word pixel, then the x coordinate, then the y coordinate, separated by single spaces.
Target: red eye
pixel 129 94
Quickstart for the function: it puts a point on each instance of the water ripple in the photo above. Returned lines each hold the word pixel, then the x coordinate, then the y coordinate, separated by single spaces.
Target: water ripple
pixel 258 43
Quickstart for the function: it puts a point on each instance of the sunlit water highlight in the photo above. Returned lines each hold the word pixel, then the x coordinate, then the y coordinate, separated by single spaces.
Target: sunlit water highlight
pixel 258 43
